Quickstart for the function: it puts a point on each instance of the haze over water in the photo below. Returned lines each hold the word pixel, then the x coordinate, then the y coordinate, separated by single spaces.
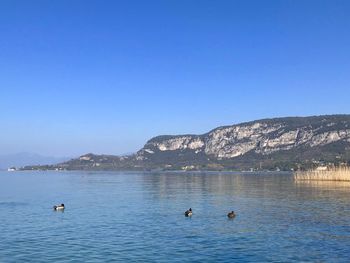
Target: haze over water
pixel 139 217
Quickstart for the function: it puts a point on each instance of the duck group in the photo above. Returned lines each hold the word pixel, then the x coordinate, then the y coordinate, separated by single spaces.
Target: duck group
pixel 188 213
pixel 229 215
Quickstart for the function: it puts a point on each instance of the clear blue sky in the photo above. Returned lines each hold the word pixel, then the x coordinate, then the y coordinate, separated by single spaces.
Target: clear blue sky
pixel 105 76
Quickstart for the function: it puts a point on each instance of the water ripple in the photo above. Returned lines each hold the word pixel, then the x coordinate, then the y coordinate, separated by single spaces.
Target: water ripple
pixel 115 217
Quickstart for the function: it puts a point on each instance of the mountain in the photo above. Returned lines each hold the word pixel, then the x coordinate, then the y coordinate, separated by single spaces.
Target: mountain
pixel 24 159
pixel 279 143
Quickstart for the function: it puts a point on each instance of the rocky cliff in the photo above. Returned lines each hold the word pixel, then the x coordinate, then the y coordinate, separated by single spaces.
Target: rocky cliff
pixel 316 139
pixel 280 143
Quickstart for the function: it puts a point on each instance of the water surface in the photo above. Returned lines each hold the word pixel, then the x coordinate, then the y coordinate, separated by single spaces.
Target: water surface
pixel 134 217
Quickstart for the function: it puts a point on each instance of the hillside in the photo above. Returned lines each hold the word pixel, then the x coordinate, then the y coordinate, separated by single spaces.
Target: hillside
pixel 279 143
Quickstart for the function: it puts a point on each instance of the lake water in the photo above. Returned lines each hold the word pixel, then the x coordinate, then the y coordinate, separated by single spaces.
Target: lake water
pixel 134 217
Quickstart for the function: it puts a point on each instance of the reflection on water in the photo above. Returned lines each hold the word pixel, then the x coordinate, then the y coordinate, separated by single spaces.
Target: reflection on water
pixel 330 185
pixel 140 217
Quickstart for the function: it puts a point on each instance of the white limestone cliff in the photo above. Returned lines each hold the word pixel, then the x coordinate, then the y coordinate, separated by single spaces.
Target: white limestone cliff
pixel 260 137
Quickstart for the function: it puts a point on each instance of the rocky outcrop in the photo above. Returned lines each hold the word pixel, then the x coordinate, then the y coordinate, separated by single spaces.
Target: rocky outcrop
pixel 263 137
pixel 286 143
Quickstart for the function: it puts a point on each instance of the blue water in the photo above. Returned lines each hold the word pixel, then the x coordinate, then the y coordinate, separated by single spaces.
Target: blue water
pixel 134 217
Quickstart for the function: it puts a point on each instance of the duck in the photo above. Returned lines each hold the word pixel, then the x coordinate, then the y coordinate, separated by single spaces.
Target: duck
pixel 231 214
pixel 188 212
pixel 58 207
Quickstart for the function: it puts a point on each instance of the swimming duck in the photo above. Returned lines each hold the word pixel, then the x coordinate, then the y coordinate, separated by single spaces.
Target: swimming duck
pixel 58 207
pixel 188 212
pixel 231 214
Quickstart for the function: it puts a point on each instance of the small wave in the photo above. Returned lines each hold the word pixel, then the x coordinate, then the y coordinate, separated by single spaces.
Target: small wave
pixel 12 203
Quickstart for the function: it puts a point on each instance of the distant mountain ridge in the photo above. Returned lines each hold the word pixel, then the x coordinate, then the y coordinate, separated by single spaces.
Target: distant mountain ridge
pixel 25 159
pixel 278 143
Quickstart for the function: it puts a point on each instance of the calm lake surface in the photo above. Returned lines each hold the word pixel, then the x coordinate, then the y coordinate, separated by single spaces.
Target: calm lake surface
pixel 133 217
